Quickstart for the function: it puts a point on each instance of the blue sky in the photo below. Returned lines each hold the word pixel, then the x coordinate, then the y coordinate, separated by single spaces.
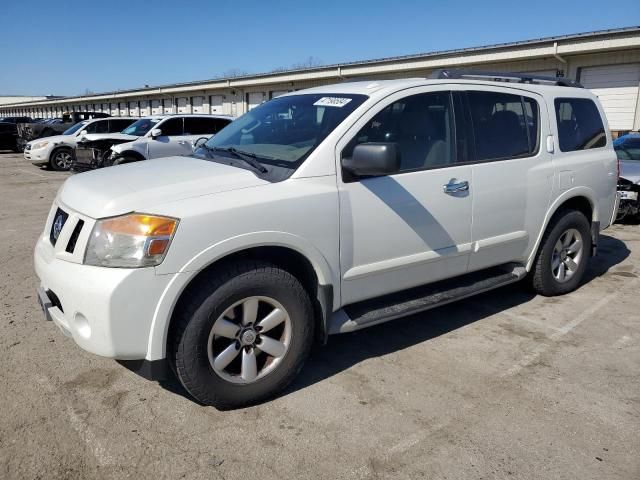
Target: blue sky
pixel 66 47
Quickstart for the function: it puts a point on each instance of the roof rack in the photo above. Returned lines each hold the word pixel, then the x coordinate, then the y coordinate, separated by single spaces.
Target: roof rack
pixel 443 73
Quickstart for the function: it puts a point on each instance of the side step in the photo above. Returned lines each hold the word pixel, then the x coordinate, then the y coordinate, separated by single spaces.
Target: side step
pixel 407 302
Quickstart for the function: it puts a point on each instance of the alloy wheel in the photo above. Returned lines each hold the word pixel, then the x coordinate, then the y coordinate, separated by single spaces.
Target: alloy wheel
pixel 567 254
pixel 249 339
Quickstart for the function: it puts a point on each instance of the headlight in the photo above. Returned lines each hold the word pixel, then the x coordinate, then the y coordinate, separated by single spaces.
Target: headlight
pixel 130 241
pixel 35 146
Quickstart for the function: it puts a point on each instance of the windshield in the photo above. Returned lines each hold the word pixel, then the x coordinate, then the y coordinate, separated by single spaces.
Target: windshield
pixel 74 129
pixel 285 130
pixel 141 127
pixel 627 148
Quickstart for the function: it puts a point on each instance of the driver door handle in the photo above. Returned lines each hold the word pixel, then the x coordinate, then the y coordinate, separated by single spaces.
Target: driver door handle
pixel 182 142
pixel 455 187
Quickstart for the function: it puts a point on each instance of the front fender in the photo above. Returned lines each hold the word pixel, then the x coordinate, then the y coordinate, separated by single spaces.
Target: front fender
pixel 160 324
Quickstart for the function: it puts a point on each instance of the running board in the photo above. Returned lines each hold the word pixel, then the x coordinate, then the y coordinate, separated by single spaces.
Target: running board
pixel 400 304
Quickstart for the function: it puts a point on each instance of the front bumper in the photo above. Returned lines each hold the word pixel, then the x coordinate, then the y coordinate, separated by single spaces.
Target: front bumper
pixel 107 311
pixel 37 157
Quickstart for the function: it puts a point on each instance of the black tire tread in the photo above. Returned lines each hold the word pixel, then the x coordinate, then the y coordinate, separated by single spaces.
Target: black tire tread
pixel 232 274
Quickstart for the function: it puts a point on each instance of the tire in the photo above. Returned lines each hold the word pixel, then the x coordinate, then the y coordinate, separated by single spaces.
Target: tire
pixel 559 253
pixel 196 348
pixel 61 159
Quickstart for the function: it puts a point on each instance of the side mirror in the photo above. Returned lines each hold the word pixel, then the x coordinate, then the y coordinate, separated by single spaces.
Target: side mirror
pixel 156 132
pixel 83 133
pixel 197 143
pixel 373 159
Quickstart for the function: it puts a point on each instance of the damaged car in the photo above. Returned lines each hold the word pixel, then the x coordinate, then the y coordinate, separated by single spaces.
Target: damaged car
pixel 150 137
pixel 31 130
pixel 627 149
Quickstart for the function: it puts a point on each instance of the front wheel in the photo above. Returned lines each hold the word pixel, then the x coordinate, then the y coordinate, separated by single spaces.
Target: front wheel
pixel 563 254
pixel 61 159
pixel 243 335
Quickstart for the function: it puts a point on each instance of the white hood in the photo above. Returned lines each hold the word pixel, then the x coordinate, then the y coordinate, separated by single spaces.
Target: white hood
pixel 66 139
pixel 115 136
pixel 141 186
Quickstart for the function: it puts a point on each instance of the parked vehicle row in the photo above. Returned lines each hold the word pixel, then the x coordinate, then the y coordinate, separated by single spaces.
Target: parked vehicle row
pixel 627 149
pixel 149 137
pixel 320 212
pixel 28 131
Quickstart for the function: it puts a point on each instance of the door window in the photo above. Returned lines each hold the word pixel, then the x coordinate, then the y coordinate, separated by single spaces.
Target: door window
pixel 101 126
pixel 579 124
pixel 202 125
pixel 420 125
pixel 504 125
pixel 172 126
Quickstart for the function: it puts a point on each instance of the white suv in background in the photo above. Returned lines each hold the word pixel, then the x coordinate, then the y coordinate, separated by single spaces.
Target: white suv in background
pixel 326 211
pixel 150 137
pixel 57 151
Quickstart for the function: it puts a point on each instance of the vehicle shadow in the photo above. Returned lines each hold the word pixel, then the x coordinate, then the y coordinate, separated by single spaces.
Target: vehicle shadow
pixel 346 350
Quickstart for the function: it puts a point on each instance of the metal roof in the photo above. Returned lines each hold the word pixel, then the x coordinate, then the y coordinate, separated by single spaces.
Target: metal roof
pixel 416 56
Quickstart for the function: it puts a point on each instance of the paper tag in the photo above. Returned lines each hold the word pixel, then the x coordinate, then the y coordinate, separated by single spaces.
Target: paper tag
pixel 332 102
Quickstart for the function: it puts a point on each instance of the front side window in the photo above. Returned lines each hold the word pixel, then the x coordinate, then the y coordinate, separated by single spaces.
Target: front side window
pixel 420 125
pixel 579 124
pixel 285 130
pixel 99 126
pixel 141 127
pixel 171 127
pixel 74 129
pixel 504 125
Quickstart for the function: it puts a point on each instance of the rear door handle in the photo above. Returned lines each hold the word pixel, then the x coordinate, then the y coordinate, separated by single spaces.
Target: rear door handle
pixel 456 187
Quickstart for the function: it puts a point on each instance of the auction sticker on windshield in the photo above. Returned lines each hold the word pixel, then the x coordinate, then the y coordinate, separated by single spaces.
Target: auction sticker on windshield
pixel 332 102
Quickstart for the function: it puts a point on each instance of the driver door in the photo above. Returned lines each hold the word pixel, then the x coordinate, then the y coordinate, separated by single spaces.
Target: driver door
pixel 404 230
pixel 171 142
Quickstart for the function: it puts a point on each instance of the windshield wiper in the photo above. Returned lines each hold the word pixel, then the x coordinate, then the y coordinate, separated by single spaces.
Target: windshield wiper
pixel 246 157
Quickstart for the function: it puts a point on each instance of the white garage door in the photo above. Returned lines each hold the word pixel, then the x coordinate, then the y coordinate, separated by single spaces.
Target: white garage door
pixel 167 105
pixel 215 103
pixel 277 93
pixel 617 87
pixel 133 109
pixel 156 107
pixel 122 108
pixel 254 99
pixel 197 104
pixel 114 110
pixel 183 105
pixel 144 108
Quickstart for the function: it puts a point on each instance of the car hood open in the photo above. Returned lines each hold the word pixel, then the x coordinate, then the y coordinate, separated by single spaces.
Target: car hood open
pixel 143 185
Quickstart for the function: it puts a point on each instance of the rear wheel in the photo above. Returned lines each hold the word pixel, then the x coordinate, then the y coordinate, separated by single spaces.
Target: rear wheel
pixel 61 159
pixel 243 335
pixel 563 254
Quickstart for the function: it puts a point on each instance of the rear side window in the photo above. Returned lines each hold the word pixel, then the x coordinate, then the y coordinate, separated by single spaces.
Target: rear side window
pixel 203 125
pixel 504 125
pixel 119 125
pixel 579 124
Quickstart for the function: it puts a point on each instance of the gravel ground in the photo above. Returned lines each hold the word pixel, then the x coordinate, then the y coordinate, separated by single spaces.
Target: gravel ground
pixel 504 385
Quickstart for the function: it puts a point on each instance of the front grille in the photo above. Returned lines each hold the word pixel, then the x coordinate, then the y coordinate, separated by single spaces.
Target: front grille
pixel 71 246
pixel 59 219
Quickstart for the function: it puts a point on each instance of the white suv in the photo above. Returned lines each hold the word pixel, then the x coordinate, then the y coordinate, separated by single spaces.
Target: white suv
pixel 156 136
pixel 57 151
pixel 325 211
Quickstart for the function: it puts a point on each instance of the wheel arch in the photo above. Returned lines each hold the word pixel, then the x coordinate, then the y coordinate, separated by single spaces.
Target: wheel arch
pixel 131 154
pixel 581 199
pixel 313 273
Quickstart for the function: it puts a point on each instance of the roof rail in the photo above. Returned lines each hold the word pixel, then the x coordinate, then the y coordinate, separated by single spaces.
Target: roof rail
pixel 443 73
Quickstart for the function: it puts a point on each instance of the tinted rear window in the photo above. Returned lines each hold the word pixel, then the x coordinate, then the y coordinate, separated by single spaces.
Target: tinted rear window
pixel 579 124
pixel 504 125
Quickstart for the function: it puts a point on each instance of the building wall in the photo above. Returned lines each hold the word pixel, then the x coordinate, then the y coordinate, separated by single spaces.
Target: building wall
pixel 236 96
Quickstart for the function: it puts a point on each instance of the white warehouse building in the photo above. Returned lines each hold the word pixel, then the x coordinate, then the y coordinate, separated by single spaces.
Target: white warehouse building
pixel 607 61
